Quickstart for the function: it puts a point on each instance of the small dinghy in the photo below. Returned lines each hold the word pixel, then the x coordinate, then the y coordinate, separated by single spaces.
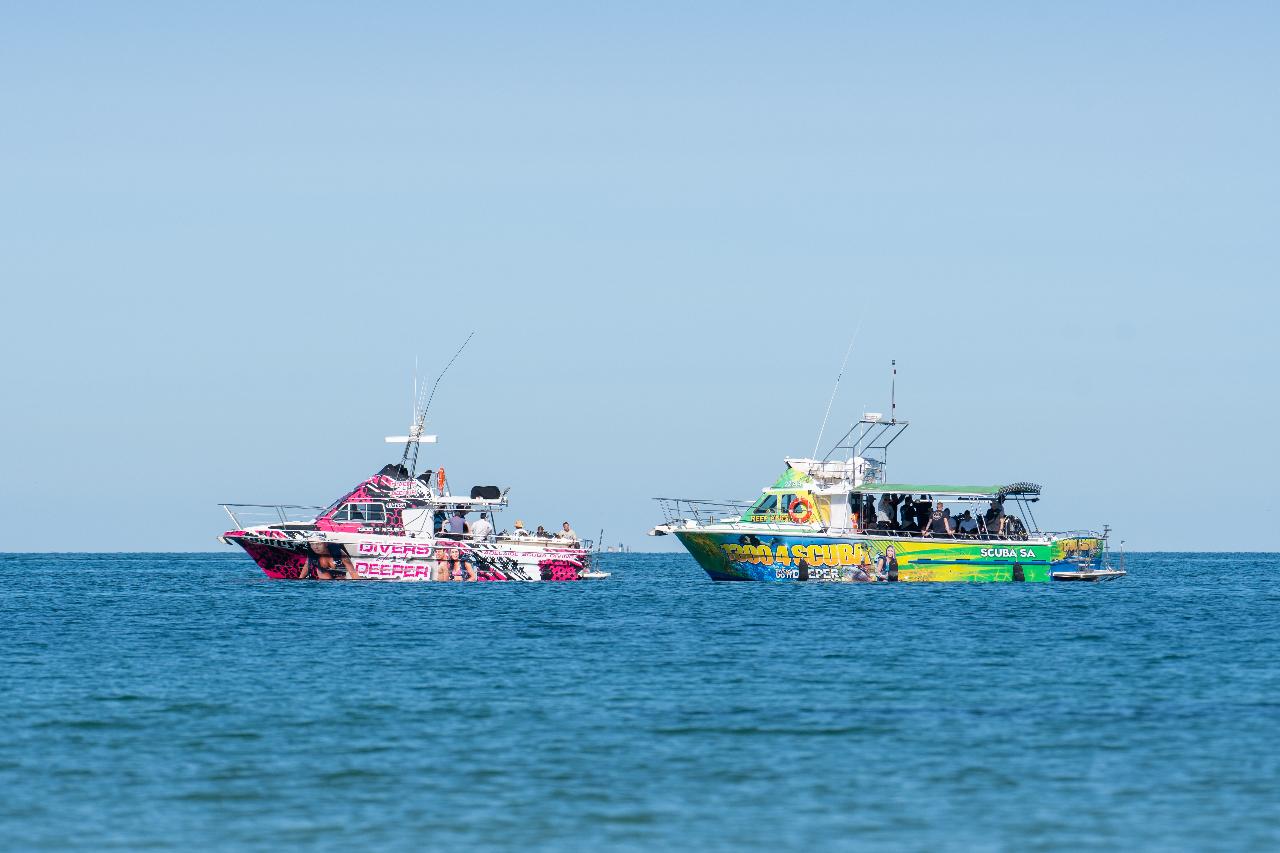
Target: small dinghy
pixel 1087 575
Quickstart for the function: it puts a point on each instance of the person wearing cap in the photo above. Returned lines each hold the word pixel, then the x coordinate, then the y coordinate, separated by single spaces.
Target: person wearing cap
pixel 520 531
pixel 567 532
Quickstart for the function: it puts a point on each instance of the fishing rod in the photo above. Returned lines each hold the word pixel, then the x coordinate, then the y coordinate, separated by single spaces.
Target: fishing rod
pixel 410 458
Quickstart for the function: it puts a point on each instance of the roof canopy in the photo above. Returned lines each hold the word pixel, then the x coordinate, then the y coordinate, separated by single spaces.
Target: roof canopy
pixel 934 489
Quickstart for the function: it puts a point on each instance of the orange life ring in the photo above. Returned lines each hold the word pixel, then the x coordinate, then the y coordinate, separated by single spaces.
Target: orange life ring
pixel 440 481
pixel 800 518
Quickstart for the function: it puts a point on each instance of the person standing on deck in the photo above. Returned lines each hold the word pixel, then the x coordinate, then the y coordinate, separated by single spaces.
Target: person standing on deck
pixel 482 529
pixel 456 527
pixel 995 519
pixel 887 512
pixel 938 522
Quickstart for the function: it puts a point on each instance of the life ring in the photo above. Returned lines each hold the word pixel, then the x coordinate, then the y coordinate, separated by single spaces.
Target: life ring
pixel 440 481
pixel 799 518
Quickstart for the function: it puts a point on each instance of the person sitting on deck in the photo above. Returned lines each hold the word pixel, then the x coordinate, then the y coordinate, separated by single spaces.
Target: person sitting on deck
pixel 967 525
pixel 567 532
pixel 520 531
pixel 939 522
pixel 541 532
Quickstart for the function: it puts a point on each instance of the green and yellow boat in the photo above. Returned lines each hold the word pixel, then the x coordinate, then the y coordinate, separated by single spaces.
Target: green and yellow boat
pixel 837 519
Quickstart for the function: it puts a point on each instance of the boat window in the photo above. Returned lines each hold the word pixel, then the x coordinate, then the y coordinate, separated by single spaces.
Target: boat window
pixel 362 513
pixel 769 503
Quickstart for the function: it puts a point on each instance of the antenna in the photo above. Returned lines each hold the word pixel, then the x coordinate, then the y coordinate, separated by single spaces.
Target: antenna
pixel 420 409
pixel 839 376
pixel 893 393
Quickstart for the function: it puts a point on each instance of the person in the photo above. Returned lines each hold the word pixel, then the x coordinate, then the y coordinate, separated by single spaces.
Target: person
pixel 482 529
pixel 862 573
pixel 541 532
pixel 904 513
pixel 887 564
pixel 456 527
pixel 327 561
pixel 443 572
pixel 458 556
pixel 939 521
pixel 924 509
pixel 968 524
pixel 886 512
pixel 995 518
pixel 567 532
pixel 520 532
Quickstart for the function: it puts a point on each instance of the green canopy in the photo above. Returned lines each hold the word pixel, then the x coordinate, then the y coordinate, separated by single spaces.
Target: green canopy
pixel 925 489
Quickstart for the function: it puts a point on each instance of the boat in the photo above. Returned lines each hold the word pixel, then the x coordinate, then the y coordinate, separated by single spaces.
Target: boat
pixel 839 519
pixel 386 529
pixel 389 528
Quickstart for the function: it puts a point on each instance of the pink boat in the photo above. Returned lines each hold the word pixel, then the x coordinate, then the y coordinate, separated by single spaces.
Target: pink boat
pixel 393 526
pixel 388 528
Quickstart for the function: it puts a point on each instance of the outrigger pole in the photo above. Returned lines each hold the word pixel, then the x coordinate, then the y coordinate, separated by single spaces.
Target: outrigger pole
pixel 839 376
pixel 410 458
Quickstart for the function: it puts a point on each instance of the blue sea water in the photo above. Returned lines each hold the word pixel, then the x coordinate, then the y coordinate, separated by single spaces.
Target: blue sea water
pixel 170 701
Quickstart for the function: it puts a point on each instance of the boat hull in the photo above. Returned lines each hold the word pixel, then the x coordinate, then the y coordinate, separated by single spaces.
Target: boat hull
pixel 771 555
pixel 319 555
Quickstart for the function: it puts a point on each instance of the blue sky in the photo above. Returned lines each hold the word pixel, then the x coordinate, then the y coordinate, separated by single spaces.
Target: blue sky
pixel 226 232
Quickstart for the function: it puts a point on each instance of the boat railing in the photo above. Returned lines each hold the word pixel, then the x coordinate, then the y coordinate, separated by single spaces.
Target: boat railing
pixel 678 510
pixel 253 515
pixel 1073 534
pixel 506 537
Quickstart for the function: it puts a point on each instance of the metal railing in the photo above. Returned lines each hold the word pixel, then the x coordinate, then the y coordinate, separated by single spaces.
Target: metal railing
pixel 253 515
pixel 677 510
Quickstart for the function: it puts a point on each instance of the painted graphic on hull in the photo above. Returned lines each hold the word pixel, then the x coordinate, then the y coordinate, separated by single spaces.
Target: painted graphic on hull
pixel 751 556
pixel 291 558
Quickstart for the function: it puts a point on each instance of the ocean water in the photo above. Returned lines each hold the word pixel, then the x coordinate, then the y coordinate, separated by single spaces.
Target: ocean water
pixel 184 701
